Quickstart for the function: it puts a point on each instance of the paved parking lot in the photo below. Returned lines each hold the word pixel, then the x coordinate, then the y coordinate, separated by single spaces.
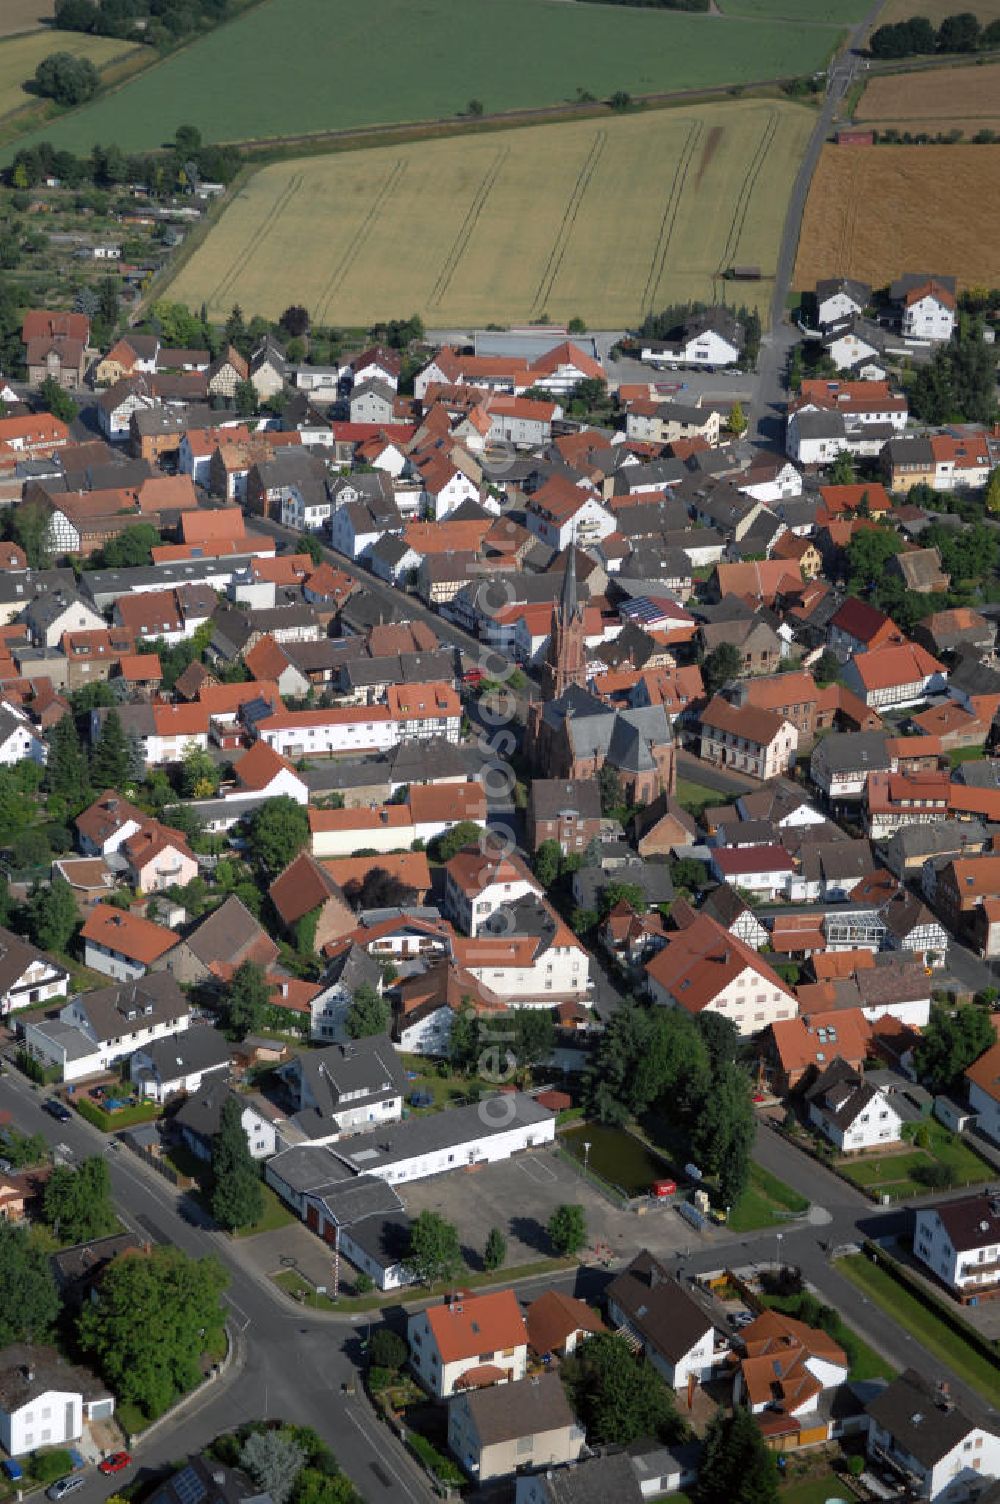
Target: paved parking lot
pixel 520 1194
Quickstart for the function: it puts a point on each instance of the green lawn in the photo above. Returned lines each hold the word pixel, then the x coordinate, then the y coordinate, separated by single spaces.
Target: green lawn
pixel 694 797
pixel 828 1485
pixel 448 1090
pixel 930 1329
pixel 766 1203
pixel 966 754
pixel 899 1175
pixel 331 65
pixel 275 1215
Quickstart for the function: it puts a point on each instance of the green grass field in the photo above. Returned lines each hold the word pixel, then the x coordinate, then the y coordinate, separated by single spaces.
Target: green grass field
pixel 817 12
pixel 20 56
pixel 767 1202
pixel 295 66
pixel 935 1335
pixel 606 219
pixel 697 796
pixel 899 1175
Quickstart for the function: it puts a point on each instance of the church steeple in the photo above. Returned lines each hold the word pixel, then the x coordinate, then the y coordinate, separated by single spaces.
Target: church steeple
pixel 568 600
pixel 566 656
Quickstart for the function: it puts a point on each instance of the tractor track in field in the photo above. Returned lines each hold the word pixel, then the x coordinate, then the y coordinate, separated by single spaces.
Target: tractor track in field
pixel 460 244
pixel 565 230
pixel 746 192
pixel 670 212
pixel 359 237
pixel 270 220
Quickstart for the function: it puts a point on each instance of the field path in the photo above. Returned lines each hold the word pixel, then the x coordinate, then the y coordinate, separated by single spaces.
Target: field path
pixel 561 241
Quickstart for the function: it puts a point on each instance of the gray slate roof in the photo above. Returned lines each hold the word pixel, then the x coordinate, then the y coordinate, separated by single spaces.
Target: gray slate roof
pixel 909 1410
pixel 658 1308
pixel 198 1049
pixel 504 1412
pixel 153 1000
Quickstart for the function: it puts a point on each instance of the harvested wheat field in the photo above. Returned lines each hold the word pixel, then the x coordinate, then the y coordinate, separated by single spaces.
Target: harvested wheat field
pixel 938 99
pixel 605 219
pixel 24 15
pixel 20 56
pixel 874 213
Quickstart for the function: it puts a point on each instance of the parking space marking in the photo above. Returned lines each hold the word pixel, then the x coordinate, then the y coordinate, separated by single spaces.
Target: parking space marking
pixel 536 1170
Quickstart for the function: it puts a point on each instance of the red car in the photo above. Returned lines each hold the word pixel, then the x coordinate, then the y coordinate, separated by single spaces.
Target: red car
pixel 116 1463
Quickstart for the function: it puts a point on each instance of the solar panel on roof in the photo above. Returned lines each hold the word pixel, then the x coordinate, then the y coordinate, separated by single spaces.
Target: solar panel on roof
pixel 188 1487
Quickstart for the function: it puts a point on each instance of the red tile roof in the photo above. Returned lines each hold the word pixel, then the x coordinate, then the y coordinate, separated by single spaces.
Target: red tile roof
pixel 138 939
pixel 477 1324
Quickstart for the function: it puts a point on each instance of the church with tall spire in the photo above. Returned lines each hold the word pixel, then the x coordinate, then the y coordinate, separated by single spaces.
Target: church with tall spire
pixel 566 656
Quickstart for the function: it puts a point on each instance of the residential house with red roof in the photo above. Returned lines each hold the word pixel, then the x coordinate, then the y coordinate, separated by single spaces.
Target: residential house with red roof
pixel 761 743
pixel 478 882
pixel 55 344
pixel 704 966
pixel 766 871
pixel 857 627
pixel 262 773
pixel 983 1077
pixel 122 945
pixel 560 513
pixel 928 309
pixel 894 676
pixel 158 858
pixel 557 1323
pixel 468 1342
pixel 796 1050
pixel 305 889
pixel 781 1369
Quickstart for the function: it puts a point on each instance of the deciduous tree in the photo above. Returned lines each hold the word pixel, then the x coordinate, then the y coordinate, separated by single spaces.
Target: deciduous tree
pixel 29 1300
pixel 567 1229
pixel 78 1201
pixel 277 832
pixel 53 915
pixel 55 399
pixel 435 1252
pixel 618 1396
pixel 246 1000
pixel 368 1014
pixel 949 1044
pixel 722 664
pixel 155 1318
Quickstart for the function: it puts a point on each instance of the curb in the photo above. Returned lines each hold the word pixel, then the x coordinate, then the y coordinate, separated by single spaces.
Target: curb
pixel 228 1367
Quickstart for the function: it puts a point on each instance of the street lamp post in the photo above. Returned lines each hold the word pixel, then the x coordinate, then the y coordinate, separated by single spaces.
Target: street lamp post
pixel 777 1239
pixel 586 1156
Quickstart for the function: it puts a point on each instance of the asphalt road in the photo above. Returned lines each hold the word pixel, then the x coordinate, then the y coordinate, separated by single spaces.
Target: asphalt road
pixel 288 1362
pixel 769 392
pixel 293 1363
